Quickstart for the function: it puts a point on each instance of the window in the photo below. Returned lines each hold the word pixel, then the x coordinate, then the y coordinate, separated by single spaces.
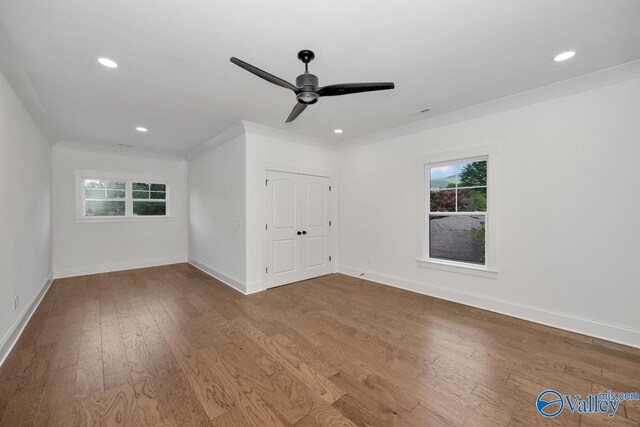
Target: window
pixel 149 199
pixel 104 198
pixel 122 198
pixel 458 211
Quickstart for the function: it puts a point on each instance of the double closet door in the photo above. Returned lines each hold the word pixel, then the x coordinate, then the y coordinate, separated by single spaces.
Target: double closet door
pixel 297 227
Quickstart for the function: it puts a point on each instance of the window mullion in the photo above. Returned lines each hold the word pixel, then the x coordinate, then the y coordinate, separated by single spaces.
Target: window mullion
pixel 426 238
pixel 458 213
pixel 457 179
pixel 128 198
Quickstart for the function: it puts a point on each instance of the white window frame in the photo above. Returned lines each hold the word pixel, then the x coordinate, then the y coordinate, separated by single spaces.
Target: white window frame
pixel 489 153
pixel 81 216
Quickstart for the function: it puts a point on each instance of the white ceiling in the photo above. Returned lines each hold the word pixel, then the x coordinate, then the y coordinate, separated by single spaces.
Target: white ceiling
pixel 175 77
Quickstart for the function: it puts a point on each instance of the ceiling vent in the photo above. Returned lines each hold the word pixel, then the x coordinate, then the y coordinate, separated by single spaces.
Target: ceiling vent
pixel 423 111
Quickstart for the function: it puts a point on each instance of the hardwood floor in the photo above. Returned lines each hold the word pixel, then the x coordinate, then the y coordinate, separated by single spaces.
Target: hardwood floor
pixel 170 346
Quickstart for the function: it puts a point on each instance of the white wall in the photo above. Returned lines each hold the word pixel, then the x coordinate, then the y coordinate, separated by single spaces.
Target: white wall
pixel 217 212
pixel 568 242
pixel 226 187
pixel 85 248
pixel 25 216
pixel 279 153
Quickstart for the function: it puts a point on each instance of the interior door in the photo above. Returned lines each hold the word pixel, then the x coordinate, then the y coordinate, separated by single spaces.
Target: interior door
pixel 297 227
pixel 284 219
pixel 315 226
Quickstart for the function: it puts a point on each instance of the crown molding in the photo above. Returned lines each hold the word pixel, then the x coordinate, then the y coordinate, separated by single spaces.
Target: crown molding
pixel 258 129
pixel 226 135
pixel 244 127
pixel 117 151
pixel 583 83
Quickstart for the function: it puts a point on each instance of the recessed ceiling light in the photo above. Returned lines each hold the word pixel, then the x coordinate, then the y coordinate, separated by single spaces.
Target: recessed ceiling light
pixel 337 131
pixel 564 56
pixel 141 129
pixel 109 63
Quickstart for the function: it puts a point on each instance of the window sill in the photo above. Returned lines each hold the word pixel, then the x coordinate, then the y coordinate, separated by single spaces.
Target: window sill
pixel 458 268
pixel 106 219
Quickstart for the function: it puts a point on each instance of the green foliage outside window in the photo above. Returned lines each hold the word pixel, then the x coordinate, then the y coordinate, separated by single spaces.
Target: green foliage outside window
pixel 473 174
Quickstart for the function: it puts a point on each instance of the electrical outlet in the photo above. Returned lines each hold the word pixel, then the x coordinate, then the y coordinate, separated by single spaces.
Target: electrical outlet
pixel 369 261
pixel 16 302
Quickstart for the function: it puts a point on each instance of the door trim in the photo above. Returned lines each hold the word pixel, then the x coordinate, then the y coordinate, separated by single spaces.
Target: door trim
pixel 282 167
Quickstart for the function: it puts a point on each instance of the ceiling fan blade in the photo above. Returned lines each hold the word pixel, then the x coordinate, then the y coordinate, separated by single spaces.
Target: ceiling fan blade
pixel 299 108
pixel 348 88
pixel 264 75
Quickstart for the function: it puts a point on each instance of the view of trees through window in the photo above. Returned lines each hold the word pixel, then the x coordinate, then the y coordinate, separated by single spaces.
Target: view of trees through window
pixel 457 211
pixel 109 198
pixel 104 198
pixel 149 199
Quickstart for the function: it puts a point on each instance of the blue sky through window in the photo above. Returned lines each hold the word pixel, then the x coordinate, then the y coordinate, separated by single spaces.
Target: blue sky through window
pixel 446 171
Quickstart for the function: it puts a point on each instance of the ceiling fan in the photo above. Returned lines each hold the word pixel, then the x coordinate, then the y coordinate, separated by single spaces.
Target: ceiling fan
pixel 306 89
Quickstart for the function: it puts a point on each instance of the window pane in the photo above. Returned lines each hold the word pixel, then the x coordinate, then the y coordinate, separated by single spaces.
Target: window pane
pixel 115 194
pixel 161 195
pixel 114 185
pixel 99 189
pixel 443 200
pixel 149 208
pixel 140 186
pixel 94 194
pixel 445 176
pixel 103 208
pixel 158 187
pixel 140 194
pixel 472 200
pixel 467 174
pixel 473 174
pixel 94 183
pixel 457 238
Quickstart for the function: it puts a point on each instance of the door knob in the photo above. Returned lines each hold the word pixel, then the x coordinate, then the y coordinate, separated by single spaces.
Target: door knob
pixel 304 232
pixel 299 233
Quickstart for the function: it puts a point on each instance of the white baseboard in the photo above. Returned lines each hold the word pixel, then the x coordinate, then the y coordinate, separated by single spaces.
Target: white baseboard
pixel 107 268
pixel 254 288
pixel 11 338
pixel 570 322
pixel 236 284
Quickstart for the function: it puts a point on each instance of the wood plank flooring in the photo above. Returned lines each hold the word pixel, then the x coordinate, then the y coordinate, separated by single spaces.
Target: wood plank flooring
pixel 170 346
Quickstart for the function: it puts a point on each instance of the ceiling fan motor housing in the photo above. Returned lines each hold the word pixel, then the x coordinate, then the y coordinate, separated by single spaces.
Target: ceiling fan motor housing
pixel 307 80
pixel 308 84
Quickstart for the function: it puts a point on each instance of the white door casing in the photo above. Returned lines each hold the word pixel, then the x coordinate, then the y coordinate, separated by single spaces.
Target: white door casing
pixel 297 227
